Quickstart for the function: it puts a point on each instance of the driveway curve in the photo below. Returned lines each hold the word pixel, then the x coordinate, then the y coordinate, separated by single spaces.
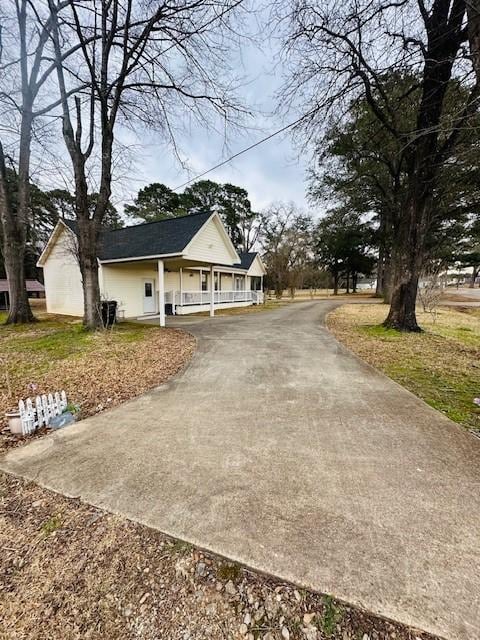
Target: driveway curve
pixel 280 449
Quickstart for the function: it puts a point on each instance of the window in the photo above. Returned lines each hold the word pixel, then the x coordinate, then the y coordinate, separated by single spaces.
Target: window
pixel 204 281
pixel 148 290
pixel 217 281
pixel 239 283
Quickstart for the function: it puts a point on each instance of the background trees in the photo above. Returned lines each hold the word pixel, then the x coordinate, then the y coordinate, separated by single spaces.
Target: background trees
pixel 342 244
pixel 158 202
pixel 339 53
pixel 360 166
pixel 286 241
pixel 154 202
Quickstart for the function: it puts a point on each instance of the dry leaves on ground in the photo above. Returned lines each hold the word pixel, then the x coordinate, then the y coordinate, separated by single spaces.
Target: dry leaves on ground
pixel 97 371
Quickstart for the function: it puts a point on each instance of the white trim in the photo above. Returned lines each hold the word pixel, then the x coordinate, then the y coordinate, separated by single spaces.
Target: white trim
pixel 212 292
pixel 161 293
pixel 230 269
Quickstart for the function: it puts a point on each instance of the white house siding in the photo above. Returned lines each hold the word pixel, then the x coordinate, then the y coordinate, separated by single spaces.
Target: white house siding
pixel 190 280
pixel 226 282
pixel 63 280
pixel 256 268
pixel 209 245
pixel 125 284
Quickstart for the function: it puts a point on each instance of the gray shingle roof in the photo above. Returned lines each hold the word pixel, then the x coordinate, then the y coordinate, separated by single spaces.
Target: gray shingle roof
pixel 150 238
pixel 32 285
pixel 246 260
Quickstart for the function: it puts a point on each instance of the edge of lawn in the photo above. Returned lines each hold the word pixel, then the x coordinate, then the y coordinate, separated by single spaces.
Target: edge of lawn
pixel 469 428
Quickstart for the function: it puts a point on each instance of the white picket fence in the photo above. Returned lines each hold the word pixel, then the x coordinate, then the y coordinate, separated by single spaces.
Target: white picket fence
pixel 38 412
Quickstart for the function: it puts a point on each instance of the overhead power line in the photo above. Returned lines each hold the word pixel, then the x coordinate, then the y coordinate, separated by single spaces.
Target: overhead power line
pixel 249 148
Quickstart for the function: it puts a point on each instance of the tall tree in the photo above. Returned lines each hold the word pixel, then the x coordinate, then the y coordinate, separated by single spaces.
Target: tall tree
pixel 286 239
pixel 336 52
pixel 231 203
pixel 140 62
pixel 155 202
pixel 25 70
pixel 342 244
pixel 158 202
pixel 361 166
pixel 62 202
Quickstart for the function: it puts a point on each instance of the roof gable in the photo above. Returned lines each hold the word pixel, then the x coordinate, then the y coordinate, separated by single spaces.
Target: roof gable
pixel 212 244
pixel 252 263
pixel 60 227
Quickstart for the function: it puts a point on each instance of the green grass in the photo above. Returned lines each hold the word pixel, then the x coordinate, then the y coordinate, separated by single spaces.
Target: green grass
pixel 447 391
pixel 440 365
pixel 331 616
pixel 51 525
pixel 381 332
pixel 56 344
pixel 31 350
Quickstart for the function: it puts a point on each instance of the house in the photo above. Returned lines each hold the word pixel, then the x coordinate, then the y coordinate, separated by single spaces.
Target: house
pixel 175 266
pixel 35 289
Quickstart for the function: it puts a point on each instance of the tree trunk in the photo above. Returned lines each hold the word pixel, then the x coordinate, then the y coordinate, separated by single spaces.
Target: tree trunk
pixel 387 280
pixel 379 287
pixel 474 277
pixel 13 250
pixel 19 311
pixel 88 262
pixel 354 282
pixel 335 284
pixel 407 261
pixel 348 282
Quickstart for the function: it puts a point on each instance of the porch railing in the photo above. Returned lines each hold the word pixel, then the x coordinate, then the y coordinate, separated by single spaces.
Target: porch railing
pixel 188 298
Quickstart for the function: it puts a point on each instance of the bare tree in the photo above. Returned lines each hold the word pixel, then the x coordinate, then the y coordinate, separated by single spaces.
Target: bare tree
pixel 431 289
pixel 143 63
pixel 22 58
pixel 337 51
pixel 287 247
pixel 26 67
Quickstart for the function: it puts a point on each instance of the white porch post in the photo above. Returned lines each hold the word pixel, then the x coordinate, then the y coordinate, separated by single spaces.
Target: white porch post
pixel 181 286
pixel 212 292
pixel 161 293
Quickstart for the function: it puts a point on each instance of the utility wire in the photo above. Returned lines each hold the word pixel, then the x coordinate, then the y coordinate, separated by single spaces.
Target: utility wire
pixel 252 146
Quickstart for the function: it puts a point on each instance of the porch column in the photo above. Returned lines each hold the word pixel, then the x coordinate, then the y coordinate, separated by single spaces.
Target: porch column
pixel 161 293
pixel 181 286
pixel 212 292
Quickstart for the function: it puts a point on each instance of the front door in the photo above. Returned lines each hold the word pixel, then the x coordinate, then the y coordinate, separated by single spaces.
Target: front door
pixel 149 305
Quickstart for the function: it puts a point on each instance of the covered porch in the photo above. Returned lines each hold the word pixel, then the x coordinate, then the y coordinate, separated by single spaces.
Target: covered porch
pixel 177 286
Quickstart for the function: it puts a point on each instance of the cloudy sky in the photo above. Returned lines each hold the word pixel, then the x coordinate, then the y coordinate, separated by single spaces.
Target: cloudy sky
pixel 272 171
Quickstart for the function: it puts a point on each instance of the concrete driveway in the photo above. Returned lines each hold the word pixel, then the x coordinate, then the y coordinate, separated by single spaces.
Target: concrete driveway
pixel 280 449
